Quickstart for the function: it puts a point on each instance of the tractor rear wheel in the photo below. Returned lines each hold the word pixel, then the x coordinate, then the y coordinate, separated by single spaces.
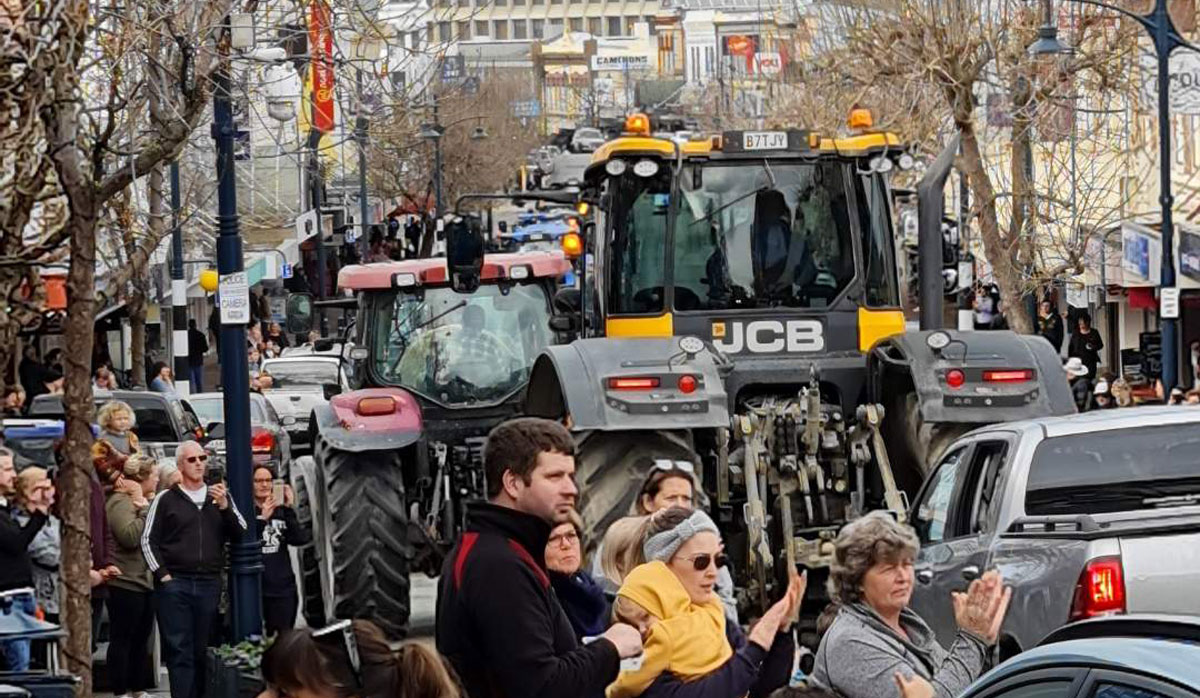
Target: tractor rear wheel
pixel 365 550
pixel 611 466
pixel 312 605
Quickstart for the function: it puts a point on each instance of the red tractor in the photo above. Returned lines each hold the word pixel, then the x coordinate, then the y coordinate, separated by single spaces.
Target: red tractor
pixel 442 351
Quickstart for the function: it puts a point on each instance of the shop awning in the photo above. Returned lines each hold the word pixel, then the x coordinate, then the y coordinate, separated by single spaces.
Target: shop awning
pixel 1142 298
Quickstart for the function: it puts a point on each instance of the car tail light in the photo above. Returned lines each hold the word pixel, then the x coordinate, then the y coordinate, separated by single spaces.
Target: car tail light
pixel 687 384
pixel 262 442
pixel 1100 590
pixel 375 406
pixel 647 383
pixel 955 378
pixel 1018 376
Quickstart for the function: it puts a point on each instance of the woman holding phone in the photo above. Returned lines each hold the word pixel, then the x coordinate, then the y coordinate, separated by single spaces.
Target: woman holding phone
pixel 278 528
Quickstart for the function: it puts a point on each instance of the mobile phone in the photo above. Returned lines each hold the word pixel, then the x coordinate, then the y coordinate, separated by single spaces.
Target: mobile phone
pixel 213 475
pixel 277 491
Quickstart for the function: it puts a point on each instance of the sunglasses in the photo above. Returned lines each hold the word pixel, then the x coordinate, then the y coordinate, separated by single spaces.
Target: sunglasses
pixel 344 628
pixel 196 459
pixel 702 561
pixel 666 465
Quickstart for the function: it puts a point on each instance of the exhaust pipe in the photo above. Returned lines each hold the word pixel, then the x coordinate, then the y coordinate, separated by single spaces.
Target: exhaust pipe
pixel 930 210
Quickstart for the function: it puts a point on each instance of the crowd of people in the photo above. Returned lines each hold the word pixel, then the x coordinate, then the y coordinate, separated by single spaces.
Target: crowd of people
pixel 518 614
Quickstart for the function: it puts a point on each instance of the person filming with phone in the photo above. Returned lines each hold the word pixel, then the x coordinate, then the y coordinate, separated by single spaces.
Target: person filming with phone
pixel 278 528
pixel 186 530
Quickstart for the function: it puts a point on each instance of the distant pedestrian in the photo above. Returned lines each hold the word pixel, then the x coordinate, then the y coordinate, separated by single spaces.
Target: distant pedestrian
pixel 16 567
pixel 162 379
pixel 1102 398
pixel 278 528
pixel 197 348
pixel 1050 325
pixel 52 382
pixel 276 334
pixel 1081 385
pixel 1086 343
pixel 214 326
pixel 14 401
pixel 30 372
pixel 187 529
pixel 498 620
pixel 1176 397
pixel 105 379
pixel 131 593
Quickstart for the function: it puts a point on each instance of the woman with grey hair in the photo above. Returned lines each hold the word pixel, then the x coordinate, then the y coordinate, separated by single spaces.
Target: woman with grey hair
pixel 875 640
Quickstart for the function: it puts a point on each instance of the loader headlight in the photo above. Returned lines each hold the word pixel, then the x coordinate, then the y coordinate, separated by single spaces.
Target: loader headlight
pixel 881 164
pixel 906 161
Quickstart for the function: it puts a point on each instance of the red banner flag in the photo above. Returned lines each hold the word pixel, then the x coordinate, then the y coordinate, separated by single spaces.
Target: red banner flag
pixel 320 47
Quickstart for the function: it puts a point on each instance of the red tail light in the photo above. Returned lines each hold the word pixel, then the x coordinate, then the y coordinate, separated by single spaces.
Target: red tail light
pixel 649 383
pixel 955 378
pixel 1019 376
pixel 1100 590
pixel 687 384
pixel 262 442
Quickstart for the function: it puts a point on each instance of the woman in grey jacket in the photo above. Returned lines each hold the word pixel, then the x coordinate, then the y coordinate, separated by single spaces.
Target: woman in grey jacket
pixel 876 640
pixel 130 594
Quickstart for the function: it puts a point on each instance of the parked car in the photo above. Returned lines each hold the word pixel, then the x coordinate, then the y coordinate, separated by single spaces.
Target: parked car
pixel 1084 515
pixel 586 140
pixel 1138 656
pixel 163 421
pixel 299 385
pixel 270 442
pixel 35 441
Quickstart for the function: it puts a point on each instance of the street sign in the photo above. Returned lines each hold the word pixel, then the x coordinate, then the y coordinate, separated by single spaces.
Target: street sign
pixel 306 225
pixel 452 68
pixel 286 271
pixel 526 109
pixel 235 299
pixel 1168 302
pixel 620 64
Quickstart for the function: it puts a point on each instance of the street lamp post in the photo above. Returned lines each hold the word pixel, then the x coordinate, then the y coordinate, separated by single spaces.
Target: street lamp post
pixel 1166 39
pixel 246 558
pixel 360 135
pixel 179 326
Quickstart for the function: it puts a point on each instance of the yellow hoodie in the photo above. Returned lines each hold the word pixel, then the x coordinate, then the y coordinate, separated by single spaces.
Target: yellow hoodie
pixel 688 639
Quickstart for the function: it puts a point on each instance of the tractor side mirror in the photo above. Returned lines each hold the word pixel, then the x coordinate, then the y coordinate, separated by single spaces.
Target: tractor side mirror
pixel 299 313
pixel 563 323
pixel 464 253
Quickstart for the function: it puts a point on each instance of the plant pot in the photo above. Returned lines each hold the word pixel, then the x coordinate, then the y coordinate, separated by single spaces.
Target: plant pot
pixel 226 679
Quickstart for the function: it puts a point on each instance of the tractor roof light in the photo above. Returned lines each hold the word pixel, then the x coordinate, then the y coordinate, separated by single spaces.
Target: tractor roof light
pixel 520 272
pixel 404 279
pixel 572 245
pixel 637 125
pixel 861 119
pixel 881 164
pixel 582 208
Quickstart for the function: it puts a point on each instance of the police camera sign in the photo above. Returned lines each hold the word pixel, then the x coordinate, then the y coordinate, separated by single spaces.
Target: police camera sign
pixel 235 299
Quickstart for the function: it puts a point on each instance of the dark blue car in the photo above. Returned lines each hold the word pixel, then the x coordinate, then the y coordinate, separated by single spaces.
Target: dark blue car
pixel 1135 656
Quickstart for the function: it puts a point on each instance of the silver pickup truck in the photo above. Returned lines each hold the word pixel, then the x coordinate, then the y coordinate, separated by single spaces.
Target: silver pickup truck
pixel 1084 515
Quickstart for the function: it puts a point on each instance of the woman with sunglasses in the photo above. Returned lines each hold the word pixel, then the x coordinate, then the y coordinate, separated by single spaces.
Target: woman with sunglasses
pixel 582 599
pixel 691 649
pixel 352 659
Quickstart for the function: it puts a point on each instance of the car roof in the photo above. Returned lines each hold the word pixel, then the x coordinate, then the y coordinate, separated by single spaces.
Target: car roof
pixel 221 396
pixel 1177 661
pixel 122 395
pixel 303 359
pixel 1101 420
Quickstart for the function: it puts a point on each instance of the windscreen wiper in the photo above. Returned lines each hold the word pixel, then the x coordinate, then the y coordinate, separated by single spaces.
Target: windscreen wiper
pixel 764 188
pixel 439 316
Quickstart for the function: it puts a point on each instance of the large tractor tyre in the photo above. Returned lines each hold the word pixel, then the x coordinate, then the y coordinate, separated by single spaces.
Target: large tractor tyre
pixel 365 548
pixel 914 445
pixel 312 603
pixel 610 467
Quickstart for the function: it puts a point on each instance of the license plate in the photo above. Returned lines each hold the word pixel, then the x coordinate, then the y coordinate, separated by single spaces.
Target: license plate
pixel 764 140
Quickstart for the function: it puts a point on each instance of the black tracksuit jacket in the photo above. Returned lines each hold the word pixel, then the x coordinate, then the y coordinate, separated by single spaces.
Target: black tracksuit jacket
pixel 500 624
pixel 16 570
pixel 182 539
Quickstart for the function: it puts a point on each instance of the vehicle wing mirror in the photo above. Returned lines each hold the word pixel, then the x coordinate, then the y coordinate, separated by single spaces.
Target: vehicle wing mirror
pixel 215 430
pixel 331 390
pixel 563 323
pixel 299 313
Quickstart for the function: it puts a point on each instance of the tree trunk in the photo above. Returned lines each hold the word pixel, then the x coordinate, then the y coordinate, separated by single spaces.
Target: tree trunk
pixel 138 282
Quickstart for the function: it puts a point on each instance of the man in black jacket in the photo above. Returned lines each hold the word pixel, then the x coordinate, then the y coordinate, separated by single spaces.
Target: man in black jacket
pixel 498 620
pixel 16 568
pixel 197 348
pixel 278 528
pixel 184 540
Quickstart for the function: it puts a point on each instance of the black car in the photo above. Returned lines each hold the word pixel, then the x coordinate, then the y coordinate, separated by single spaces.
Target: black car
pixel 163 421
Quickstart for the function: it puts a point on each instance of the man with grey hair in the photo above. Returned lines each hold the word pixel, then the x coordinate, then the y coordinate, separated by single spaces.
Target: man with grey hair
pixel 184 540
pixel 16 566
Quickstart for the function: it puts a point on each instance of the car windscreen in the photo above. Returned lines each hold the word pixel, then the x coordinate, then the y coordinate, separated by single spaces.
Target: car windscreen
pixel 212 409
pixel 307 374
pixel 1115 470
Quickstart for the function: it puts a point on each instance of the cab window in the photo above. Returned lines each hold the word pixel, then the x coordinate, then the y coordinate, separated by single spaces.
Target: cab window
pixel 638 251
pixel 933 511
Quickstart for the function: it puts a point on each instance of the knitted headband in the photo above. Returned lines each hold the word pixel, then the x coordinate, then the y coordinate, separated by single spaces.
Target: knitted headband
pixel 663 546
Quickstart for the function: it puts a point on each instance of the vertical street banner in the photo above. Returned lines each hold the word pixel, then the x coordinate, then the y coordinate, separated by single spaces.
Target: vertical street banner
pixel 320 42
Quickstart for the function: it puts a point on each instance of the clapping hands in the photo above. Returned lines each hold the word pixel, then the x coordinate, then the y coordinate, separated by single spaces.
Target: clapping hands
pixel 981 609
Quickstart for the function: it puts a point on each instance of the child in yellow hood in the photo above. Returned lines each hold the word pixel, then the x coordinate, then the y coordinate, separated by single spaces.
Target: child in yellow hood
pixel 686 637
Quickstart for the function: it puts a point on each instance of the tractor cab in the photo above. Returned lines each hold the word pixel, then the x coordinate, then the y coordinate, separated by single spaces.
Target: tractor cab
pixel 764 242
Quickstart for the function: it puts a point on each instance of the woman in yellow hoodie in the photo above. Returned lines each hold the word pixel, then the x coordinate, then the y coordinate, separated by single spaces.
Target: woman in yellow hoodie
pixel 691 651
